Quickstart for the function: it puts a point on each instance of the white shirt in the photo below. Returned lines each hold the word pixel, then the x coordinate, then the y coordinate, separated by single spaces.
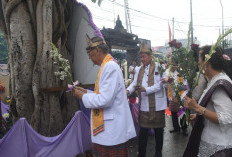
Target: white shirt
pixel 118 122
pixel 157 88
pixel 220 134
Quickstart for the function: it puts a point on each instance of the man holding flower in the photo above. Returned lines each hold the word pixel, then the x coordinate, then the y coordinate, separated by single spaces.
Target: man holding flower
pixel 111 121
pixel 152 101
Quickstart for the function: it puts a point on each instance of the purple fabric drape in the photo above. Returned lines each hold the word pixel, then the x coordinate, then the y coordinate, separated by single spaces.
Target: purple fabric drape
pixel 135 115
pixel 23 141
pixel 4 108
pixel 86 111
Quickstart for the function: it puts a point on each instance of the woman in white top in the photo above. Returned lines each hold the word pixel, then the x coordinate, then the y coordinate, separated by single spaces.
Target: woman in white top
pixel 213 127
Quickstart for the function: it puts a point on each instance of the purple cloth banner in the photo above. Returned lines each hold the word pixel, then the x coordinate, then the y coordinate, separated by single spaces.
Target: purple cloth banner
pixel 4 108
pixel 23 141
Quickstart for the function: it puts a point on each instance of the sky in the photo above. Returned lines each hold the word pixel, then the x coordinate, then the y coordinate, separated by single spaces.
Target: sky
pixel 150 18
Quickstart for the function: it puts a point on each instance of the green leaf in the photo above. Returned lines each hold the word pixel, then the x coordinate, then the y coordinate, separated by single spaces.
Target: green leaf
pixel 94 1
pixel 99 2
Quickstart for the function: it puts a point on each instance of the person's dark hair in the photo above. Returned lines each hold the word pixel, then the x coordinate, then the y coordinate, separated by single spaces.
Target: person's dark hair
pixel 103 47
pixel 217 61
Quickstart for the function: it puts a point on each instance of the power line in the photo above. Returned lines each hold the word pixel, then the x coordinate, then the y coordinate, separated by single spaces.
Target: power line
pixel 152 29
pixel 153 16
pixel 157 17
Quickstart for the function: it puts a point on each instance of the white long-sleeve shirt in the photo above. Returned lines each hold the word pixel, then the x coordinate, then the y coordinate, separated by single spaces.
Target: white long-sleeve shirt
pixel 118 122
pixel 157 88
pixel 220 134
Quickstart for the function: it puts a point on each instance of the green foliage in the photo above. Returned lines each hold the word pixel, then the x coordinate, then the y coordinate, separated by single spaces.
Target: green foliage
pixel 187 65
pixel 3 50
pixel 99 2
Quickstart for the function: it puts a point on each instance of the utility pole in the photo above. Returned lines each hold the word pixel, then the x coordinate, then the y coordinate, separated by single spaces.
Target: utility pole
pixel 191 15
pixel 114 14
pixel 222 25
pixel 127 16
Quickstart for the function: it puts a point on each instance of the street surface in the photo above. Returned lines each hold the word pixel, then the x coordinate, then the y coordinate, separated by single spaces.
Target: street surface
pixel 174 143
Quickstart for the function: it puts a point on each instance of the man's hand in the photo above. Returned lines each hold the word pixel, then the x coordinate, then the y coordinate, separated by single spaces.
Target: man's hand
pixel 127 92
pixel 78 93
pixel 142 89
pixel 81 89
pixel 193 117
pixel 163 80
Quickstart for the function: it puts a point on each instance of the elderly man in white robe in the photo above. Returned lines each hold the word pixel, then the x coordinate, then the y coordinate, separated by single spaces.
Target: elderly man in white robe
pixel 152 101
pixel 111 120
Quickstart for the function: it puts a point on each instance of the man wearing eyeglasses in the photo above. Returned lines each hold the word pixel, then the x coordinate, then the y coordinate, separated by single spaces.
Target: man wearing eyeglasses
pixel 111 120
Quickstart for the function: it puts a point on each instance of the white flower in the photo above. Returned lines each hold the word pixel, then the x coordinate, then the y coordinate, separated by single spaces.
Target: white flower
pixel 6 115
pixel 62 77
pixel 207 57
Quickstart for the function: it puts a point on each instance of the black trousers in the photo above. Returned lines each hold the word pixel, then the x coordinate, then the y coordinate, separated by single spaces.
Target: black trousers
pixel 175 122
pixel 143 136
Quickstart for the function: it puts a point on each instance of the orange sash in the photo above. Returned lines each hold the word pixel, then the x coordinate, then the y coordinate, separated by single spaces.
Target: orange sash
pixel 97 114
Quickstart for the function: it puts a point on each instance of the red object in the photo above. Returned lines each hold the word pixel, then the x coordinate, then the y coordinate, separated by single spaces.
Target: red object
pixel 120 150
pixel 194 46
pixel 168 112
pixel 156 73
pixel 161 62
pixel 172 43
pixel 170 80
pixel 132 100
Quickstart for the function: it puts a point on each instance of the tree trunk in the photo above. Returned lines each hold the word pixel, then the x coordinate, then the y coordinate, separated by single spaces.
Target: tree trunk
pixel 29 26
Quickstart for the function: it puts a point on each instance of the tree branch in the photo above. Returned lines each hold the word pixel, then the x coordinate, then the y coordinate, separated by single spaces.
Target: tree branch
pixel 2 22
pixel 32 7
pixel 60 27
pixel 9 8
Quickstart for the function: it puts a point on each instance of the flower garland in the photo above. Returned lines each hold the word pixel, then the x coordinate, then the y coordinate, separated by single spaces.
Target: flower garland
pixel 97 32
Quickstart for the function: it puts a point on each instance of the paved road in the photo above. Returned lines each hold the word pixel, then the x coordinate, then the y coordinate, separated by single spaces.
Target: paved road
pixel 174 143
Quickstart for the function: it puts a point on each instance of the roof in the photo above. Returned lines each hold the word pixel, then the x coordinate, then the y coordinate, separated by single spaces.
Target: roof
pixel 4 70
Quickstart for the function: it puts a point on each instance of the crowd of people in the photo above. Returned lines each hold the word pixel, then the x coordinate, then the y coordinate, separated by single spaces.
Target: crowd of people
pixel 112 124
